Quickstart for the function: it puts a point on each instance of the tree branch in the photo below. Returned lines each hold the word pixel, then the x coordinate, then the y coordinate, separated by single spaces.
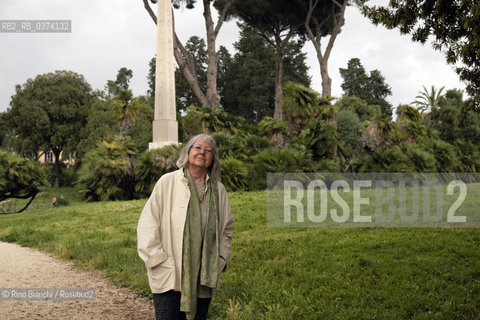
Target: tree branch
pixel 221 18
pixel 150 11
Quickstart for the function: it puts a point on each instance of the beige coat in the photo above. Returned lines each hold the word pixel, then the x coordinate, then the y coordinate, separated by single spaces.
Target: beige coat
pixel 160 231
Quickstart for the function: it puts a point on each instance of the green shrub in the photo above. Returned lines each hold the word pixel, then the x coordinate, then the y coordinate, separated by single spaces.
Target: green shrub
pixel 321 138
pixel 208 120
pixel 20 178
pixel 254 144
pixel 468 155
pixel 273 130
pixel 275 159
pixel 67 177
pixel 151 165
pixel 229 145
pixel 348 128
pixel 421 159
pixel 389 160
pixel 445 156
pixel 328 165
pixel 234 174
pixel 107 173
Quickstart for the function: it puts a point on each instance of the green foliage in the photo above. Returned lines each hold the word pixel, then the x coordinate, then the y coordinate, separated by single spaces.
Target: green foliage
pixel 100 124
pixel 234 174
pixel 392 159
pixel 68 177
pixel 407 112
pixel 468 155
pixel 107 173
pixel 320 137
pixel 141 131
pixel 411 131
pixel 428 100
pixel 421 160
pixel 122 81
pixel 453 25
pixel 444 120
pixel 445 156
pixel 270 126
pixel 184 96
pixel 348 128
pixel 50 113
pixel 370 88
pixel 247 84
pixel 277 160
pixel 254 144
pixel 298 106
pixel 230 145
pixel 20 178
pixel 151 165
pixel 360 107
pixel 3 128
pixel 208 120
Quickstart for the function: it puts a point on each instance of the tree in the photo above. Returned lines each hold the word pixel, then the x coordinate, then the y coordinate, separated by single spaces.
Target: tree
pixel 107 173
pixel 248 83
pixel 428 100
pixel 298 106
pixel 121 102
pixel 277 22
pixel 3 127
pixel 371 88
pixel 151 77
pixel 323 18
pixel 125 110
pixel 122 81
pixel 454 26
pixel 357 105
pixel 100 124
pixel 348 128
pixel 20 178
pixel 50 113
pixel 183 93
pixel 141 131
pixel 209 96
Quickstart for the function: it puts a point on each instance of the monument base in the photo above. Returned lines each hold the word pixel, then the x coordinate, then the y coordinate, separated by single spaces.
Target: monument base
pixel 165 132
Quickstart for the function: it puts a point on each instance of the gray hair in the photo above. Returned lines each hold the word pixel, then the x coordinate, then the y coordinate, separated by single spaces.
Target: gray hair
pixel 214 169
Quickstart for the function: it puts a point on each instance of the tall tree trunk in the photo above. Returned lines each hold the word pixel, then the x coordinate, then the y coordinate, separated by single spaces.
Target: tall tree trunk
pixel 185 61
pixel 56 153
pixel 316 38
pixel 278 84
pixel 212 68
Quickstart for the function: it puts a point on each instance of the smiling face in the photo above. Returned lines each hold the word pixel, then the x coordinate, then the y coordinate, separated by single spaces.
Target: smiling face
pixel 200 154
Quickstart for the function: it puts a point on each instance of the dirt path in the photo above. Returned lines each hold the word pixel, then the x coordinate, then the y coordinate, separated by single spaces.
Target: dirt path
pixel 22 267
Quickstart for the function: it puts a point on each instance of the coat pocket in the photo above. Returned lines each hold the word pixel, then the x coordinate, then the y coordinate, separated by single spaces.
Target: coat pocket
pixel 161 275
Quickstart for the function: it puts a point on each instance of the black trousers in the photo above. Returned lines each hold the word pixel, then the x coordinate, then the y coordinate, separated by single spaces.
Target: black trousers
pixel 167 306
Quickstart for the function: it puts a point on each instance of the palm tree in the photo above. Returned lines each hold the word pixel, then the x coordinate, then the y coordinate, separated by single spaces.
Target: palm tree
pixel 125 110
pixel 298 107
pixel 428 100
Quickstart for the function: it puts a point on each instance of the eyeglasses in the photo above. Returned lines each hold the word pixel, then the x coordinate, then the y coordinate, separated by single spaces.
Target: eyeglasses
pixel 199 148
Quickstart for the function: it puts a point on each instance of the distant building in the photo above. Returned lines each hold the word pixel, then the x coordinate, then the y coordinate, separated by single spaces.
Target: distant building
pixel 49 157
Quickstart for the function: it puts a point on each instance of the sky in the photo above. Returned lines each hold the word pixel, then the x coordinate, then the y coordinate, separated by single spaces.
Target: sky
pixel 110 34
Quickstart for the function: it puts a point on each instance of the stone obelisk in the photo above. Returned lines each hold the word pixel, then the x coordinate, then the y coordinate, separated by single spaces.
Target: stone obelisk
pixel 165 125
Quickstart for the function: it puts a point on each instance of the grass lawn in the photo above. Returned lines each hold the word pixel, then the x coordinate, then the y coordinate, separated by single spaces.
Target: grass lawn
pixel 280 273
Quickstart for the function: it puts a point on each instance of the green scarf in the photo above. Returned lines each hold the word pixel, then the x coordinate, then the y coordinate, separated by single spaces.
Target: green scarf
pixel 200 251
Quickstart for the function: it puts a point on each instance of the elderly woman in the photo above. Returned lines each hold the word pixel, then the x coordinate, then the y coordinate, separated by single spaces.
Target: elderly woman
pixel 185 233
